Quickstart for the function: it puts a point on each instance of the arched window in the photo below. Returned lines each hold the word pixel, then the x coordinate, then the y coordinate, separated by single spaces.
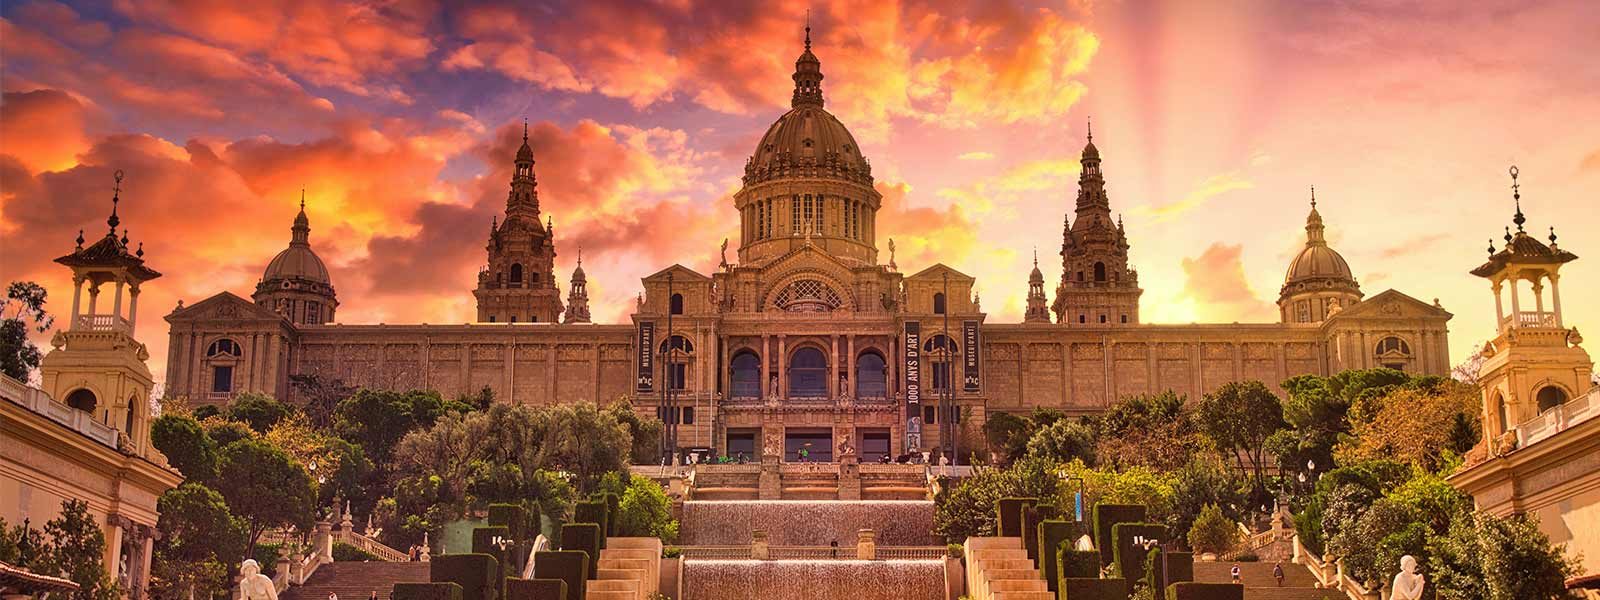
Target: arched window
pixel 1099 271
pixel 807 295
pixel 223 347
pixel 1102 318
pixel 745 375
pixel 678 342
pixel 808 374
pixel 128 426
pixel 516 275
pixel 676 347
pixel 1500 415
pixel 941 351
pixel 82 399
pixel 1083 319
pixel 533 279
pixel 1393 353
pixel 938 303
pixel 676 304
pixel 1550 397
pixel 871 376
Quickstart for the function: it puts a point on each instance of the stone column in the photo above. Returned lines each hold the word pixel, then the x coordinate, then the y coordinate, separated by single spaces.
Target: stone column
pixel 833 364
pixel 866 544
pixel 1555 297
pixel 1516 307
pixel 850 364
pixel 77 295
pixel 766 362
pixel 116 306
pixel 783 366
pixel 1538 296
pixel 1499 312
pixel 758 544
pixel 133 306
pixel 94 296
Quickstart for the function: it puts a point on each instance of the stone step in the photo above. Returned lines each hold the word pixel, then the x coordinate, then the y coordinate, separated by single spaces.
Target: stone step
pixel 987 553
pixel 1033 595
pixel 1016 585
pixel 1004 563
pixel 593 594
pixel 629 574
pixel 999 574
pixel 612 585
pixel 624 563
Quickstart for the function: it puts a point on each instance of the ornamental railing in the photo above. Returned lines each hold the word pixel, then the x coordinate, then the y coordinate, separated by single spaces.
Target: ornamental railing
pixel 1530 318
pixel 1560 418
pixel 100 323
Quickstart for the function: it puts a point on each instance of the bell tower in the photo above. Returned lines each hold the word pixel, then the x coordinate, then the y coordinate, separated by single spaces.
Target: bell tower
pixel 518 285
pixel 96 365
pixel 1534 364
pixel 1097 286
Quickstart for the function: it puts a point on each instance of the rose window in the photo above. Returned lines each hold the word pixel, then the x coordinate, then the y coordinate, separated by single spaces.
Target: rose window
pixel 807 295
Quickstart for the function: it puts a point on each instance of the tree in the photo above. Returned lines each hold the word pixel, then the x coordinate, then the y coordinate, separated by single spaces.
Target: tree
pixel 76 545
pixel 644 431
pixel 479 400
pixel 645 511
pixel 1064 441
pixel 1484 557
pixel 1420 423
pixel 265 487
pixel 587 442
pixel 186 446
pixel 321 395
pixel 1205 481
pixel 1007 436
pixel 1239 417
pixel 200 538
pixel 340 468
pixel 258 411
pixel 1213 532
pixel 1156 431
pixel 968 508
pixel 24 302
pixel 377 419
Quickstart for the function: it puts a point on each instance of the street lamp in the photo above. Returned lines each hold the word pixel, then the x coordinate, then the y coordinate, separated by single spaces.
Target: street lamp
pixel 1078 499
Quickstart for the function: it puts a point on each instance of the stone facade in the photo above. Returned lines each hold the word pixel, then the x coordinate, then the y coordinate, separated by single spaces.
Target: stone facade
pixel 805 339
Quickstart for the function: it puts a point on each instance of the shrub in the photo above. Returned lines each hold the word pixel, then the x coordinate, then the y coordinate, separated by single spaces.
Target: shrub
pixel 443 590
pixel 1083 588
pixel 511 516
pixel 593 511
pixel 1128 558
pixel 343 552
pixel 1107 516
pixel 483 542
pixel 1180 567
pixel 1032 515
pixel 1054 535
pixel 475 573
pixel 671 552
pixel 955 551
pixel 1190 590
pixel 1077 564
pixel 613 502
pixel 570 566
pixel 1213 532
pixel 535 589
pixel 585 537
pixel 645 511
pixel 1009 512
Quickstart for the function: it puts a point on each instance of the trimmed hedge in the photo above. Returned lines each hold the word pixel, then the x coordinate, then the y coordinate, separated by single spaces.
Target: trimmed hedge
pixel 426 591
pixel 1129 560
pixel 1180 567
pixel 584 537
pixel 613 509
pixel 511 516
pixel 593 511
pixel 475 573
pixel 536 589
pixel 570 566
pixel 1054 535
pixel 1084 588
pixel 1107 516
pixel 1010 515
pixel 1031 517
pixel 1190 590
pixel 483 543
pixel 1077 564
pixel 343 552
pixel 1154 576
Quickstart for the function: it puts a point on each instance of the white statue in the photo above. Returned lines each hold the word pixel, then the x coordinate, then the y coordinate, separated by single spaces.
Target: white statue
pixel 1407 583
pixel 253 585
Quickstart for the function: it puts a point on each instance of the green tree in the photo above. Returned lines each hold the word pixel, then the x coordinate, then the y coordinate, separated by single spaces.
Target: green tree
pixel 265 487
pixel 24 302
pixel 321 396
pixel 20 545
pixel 1007 436
pixel 479 400
pixel 1421 423
pixel 376 419
pixel 76 547
pixel 1484 557
pixel 645 511
pixel 1205 481
pixel 644 431
pixel 968 508
pixel 200 538
pixel 1155 430
pixel 1239 417
pixel 1213 532
pixel 1064 441
pixel 186 446
pixel 587 442
pixel 259 411
pixel 224 432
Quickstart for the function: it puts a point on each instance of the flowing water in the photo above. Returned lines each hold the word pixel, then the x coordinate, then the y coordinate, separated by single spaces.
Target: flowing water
pixel 813 579
pixel 807 522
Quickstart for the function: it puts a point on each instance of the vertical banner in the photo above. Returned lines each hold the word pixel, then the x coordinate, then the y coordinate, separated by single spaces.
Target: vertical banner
pixel 970 347
pixel 646 361
pixel 913 370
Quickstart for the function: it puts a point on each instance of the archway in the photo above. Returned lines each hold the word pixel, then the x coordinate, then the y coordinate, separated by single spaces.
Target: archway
pixel 1550 397
pixel 871 378
pixel 808 374
pixel 83 399
pixel 745 375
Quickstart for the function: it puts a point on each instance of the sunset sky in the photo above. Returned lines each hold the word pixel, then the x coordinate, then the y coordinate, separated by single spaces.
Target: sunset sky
pixel 400 118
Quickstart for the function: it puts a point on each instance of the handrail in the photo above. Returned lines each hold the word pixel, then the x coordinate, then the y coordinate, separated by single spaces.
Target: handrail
pixel 1560 418
pixel 1337 579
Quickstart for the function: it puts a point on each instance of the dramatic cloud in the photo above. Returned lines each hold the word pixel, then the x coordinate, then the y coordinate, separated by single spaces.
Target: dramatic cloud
pixel 1215 282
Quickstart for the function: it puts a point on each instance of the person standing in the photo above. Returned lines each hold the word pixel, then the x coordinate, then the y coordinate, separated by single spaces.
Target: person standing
pixel 1277 572
pixel 1235 573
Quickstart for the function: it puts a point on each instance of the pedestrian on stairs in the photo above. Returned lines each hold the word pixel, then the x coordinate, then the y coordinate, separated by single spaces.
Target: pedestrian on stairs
pixel 1277 572
pixel 1234 572
pixel 374 595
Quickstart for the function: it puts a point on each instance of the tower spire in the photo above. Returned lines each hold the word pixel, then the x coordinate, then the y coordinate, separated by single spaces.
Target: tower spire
pixel 116 196
pixel 1516 196
pixel 807 75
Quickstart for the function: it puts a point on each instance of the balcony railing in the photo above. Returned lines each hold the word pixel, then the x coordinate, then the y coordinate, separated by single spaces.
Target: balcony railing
pixel 808 401
pixel 36 400
pixel 100 323
pixel 1529 319
pixel 1560 418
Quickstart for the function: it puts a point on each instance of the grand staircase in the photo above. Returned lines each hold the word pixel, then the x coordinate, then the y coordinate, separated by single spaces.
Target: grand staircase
pixel 353 580
pixel 630 569
pixel 998 568
pixel 1298 582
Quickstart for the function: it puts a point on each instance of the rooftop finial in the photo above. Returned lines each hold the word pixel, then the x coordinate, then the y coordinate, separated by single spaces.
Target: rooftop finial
pixel 1090 121
pixel 1313 196
pixel 1491 247
pixel 1516 195
pixel 302 199
pixel 1552 236
pixel 580 256
pixel 1508 236
pixel 1035 257
pixel 524 130
pixel 808 29
pixel 116 196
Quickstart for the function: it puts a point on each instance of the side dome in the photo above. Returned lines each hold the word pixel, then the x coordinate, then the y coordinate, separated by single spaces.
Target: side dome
pixel 1318 262
pixel 1319 282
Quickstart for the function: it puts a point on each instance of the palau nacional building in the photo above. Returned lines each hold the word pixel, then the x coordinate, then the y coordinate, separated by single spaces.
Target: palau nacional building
pixel 810 332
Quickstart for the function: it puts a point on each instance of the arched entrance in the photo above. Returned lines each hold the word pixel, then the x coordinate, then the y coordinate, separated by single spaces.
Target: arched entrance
pixel 871 376
pixel 808 374
pixel 745 375
pixel 83 399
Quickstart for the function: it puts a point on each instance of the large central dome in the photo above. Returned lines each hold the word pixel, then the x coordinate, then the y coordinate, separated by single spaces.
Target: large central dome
pixel 806 183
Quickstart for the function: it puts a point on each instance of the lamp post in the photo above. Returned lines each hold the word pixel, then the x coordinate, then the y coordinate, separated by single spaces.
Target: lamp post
pixel 946 395
pixel 1081 495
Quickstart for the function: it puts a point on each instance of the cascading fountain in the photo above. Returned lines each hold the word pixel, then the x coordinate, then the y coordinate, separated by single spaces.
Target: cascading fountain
pixel 813 579
pixel 806 522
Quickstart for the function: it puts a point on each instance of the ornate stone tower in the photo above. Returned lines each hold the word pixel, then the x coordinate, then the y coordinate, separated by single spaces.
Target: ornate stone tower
pixel 1037 311
pixel 807 182
pixel 96 365
pixel 1097 286
pixel 518 285
pixel 1319 282
pixel 578 295
pixel 1534 363
pixel 296 283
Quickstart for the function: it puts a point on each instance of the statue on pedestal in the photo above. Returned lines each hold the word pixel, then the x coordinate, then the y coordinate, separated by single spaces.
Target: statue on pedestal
pixel 1407 583
pixel 253 585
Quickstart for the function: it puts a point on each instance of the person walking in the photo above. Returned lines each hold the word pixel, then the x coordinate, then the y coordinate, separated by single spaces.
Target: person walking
pixel 1235 573
pixel 1277 572
pixel 374 595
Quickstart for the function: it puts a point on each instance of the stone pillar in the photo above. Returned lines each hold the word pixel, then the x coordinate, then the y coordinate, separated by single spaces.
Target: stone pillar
pixel 758 544
pixel 866 544
pixel 1516 307
pixel 425 552
pixel 1555 297
pixel 94 296
pixel 783 367
pixel 1499 312
pixel 833 364
pixel 850 364
pixel 281 578
pixel 133 306
pixel 116 305
pixel 77 296
pixel 766 362
pixel 322 541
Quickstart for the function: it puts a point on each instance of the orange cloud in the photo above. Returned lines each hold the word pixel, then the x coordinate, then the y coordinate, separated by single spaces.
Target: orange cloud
pixel 43 129
pixel 1215 281
pixel 922 235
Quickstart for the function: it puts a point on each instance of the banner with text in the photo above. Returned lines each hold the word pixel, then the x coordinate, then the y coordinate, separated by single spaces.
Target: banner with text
pixel 969 341
pixel 647 367
pixel 913 369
